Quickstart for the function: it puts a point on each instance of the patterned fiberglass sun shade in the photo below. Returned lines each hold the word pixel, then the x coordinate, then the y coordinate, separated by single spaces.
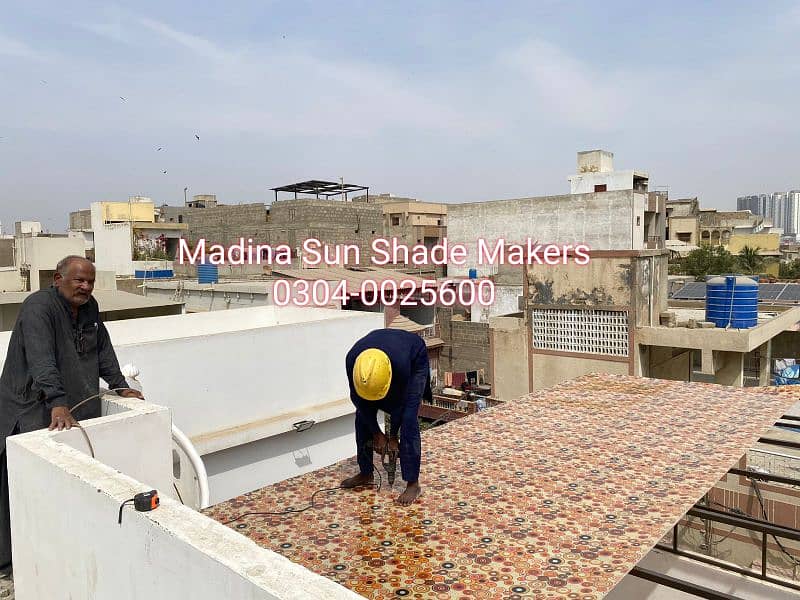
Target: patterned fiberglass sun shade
pixel 556 495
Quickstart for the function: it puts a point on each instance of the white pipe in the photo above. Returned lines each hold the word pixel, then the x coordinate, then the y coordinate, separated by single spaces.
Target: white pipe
pixel 186 445
pixel 130 372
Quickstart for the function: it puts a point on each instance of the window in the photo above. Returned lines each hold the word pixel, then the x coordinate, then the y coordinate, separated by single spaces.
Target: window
pixel 583 331
pixel 638 221
pixel 180 218
pixel 395 220
pixel 600 187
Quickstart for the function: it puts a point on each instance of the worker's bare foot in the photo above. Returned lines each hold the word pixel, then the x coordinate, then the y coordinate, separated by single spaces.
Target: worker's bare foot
pixel 358 481
pixel 413 490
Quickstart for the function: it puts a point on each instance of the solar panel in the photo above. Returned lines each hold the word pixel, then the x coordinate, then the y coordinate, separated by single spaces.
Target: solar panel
pixel 791 293
pixel 691 291
pixel 770 291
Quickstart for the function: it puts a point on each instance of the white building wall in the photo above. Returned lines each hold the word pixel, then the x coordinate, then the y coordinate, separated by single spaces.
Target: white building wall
pixel 86 236
pixel 584 183
pixel 67 542
pixel 43 253
pixel 237 381
pixel 506 302
pixel 233 471
pixel 11 280
pixel 112 243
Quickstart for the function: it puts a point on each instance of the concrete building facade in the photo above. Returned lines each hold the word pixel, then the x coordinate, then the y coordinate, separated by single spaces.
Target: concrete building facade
pixel 413 222
pixel 682 221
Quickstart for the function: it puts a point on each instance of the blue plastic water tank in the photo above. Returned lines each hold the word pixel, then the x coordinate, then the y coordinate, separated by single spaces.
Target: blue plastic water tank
pixel 734 299
pixel 207 273
pixel 473 273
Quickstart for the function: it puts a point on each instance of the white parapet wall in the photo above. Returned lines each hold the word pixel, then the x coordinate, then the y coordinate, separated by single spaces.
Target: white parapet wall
pixel 67 542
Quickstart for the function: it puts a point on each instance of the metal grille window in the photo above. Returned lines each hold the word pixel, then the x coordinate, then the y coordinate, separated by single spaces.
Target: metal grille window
pixel 585 331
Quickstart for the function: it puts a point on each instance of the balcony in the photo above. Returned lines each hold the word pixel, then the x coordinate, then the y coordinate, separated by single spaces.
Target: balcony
pixel 653 242
pixel 448 408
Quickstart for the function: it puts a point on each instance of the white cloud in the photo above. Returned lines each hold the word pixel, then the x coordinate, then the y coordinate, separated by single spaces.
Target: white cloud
pixel 582 95
pixel 194 43
pixel 17 49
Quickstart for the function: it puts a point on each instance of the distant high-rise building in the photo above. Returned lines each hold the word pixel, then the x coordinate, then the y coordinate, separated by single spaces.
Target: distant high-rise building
pixel 763 201
pixel 779 210
pixel 750 203
pixel 792 213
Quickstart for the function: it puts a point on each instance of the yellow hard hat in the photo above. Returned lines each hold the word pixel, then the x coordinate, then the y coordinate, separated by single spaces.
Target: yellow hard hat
pixel 372 374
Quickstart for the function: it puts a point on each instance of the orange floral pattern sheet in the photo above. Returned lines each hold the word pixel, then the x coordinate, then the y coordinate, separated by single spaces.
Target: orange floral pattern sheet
pixel 556 495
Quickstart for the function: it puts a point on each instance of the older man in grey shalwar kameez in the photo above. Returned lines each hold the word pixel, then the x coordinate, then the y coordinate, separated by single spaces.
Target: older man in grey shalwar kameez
pixel 59 349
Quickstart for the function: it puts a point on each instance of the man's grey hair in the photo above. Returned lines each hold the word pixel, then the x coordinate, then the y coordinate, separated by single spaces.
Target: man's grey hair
pixel 63 264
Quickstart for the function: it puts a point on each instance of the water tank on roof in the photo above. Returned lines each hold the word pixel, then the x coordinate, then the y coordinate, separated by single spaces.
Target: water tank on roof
pixel 733 300
pixel 207 273
pixel 473 273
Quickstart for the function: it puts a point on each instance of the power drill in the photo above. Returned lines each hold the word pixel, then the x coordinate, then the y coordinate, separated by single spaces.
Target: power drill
pixel 389 461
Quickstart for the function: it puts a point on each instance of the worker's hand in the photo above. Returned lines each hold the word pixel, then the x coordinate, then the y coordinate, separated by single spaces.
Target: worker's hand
pixel 393 446
pixel 131 393
pixel 379 443
pixel 61 418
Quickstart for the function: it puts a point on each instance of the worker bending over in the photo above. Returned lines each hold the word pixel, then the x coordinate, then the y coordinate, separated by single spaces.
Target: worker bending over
pixel 388 370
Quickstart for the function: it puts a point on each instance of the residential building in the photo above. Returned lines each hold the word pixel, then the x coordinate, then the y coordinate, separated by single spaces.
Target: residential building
pixel 413 222
pixel 36 257
pixel 682 221
pixel 606 316
pixel 126 238
pixel 617 219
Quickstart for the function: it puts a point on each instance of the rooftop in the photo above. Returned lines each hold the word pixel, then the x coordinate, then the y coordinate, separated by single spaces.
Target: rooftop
pixel 108 300
pixel 768 293
pixel 320 188
pixel 558 493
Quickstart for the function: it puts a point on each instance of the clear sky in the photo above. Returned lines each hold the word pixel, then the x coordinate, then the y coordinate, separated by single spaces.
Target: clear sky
pixel 441 101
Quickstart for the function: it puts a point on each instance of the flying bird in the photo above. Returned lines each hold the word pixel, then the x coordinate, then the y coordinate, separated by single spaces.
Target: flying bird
pixel 164 171
pixel 159 149
pixel 43 81
pixel 197 136
pixel 123 99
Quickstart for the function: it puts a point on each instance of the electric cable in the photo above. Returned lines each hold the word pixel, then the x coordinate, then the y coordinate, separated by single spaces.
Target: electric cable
pixel 290 511
pixel 121 506
pixel 177 491
pixel 78 424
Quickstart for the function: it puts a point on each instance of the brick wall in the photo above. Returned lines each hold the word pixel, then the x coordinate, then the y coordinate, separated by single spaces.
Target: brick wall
pixel 466 344
pixel 221 224
pixel 80 219
pixel 330 221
